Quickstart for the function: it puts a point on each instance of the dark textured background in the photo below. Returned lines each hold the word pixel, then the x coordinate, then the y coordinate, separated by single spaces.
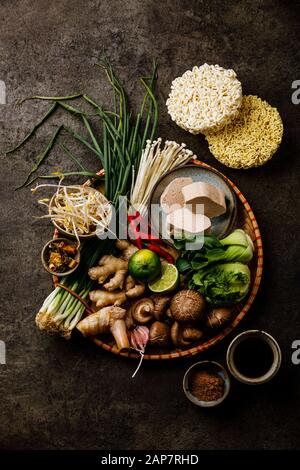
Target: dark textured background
pixel 56 394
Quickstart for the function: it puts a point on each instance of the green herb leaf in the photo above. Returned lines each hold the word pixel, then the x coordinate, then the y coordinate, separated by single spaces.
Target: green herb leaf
pixel 183 265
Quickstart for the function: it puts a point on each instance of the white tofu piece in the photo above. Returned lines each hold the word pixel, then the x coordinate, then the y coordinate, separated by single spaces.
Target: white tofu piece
pixel 172 197
pixel 211 197
pixel 183 221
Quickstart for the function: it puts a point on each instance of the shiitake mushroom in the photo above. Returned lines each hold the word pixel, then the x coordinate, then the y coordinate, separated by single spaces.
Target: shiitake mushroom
pixel 142 310
pixel 161 302
pixel 218 317
pixel 159 334
pixel 187 306
pixel 184 335
pixel 187 309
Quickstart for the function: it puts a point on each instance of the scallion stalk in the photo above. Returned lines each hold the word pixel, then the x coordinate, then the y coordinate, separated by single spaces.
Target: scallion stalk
pixel 119 151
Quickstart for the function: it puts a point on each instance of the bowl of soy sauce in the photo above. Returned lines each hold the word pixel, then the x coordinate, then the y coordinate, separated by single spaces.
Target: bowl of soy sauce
pixel 254 357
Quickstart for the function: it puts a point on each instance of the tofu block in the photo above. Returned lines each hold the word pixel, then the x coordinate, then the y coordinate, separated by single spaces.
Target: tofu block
pixel 172 197
pixel 184 221
pixel 211 197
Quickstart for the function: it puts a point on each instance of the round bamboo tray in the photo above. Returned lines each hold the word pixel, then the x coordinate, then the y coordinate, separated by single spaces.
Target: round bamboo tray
pixel 247 221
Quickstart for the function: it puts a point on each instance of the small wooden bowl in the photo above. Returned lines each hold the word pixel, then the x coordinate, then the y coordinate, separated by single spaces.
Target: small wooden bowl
pixel 43 257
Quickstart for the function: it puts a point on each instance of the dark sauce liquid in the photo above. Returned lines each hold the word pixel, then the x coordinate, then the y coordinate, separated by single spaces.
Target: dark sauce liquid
pixel 253 357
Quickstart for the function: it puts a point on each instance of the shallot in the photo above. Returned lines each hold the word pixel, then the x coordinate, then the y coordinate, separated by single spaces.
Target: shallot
pixel 139 339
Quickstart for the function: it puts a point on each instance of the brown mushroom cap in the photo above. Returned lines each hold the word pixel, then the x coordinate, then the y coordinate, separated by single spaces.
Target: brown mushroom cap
pixel 187 306
pixel 218 317
pixel 184 335
pixel 161 302
pixel 159 334
pixel 143 310
pixel 192 334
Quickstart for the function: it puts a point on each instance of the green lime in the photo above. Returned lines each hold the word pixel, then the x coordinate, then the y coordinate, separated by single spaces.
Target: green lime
pixel 144 265
pixel 167 281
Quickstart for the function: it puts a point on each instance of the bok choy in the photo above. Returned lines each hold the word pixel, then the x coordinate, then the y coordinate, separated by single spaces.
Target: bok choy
pixel 218 270
pixel 222 284
pixel 238 246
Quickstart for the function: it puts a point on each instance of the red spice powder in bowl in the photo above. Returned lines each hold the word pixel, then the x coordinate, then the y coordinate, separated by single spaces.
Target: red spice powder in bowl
pixel 206 384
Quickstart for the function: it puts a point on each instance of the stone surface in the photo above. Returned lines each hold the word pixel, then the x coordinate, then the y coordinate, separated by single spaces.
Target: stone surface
pixel 71 395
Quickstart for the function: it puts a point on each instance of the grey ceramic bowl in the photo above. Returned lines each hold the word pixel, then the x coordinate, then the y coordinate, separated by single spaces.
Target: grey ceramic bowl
pixel 276 357
pixel 43 257
pixel 209 366
pixel 222 225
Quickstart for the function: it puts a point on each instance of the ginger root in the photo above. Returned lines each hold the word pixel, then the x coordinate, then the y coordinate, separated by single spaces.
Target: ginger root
pixel 126 248
pixel 116 269
pixel 118 286
pixel 110 319
pixel 103 298
pixel 133 288
pixel 108 266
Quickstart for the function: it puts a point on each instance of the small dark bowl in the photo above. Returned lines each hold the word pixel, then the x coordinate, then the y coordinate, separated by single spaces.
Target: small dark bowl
pixel 43 257
pixel 276 357
pixel 208 366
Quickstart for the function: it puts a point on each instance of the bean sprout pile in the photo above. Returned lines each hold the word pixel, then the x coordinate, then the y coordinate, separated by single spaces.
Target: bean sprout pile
pixel 78 210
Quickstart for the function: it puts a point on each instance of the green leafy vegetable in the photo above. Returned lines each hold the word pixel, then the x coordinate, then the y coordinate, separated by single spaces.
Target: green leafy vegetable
pixel 237 237
pixel 238 246
pixel 222 284
pixel 218 269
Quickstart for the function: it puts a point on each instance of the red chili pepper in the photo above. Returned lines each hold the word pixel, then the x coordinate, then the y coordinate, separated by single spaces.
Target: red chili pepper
pixel 152 238
pixel 161 252
pixel 136 243
pixel 137 238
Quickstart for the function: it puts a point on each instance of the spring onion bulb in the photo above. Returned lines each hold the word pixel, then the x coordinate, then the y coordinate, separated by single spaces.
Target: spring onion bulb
pixel 155 162
pixel 61 310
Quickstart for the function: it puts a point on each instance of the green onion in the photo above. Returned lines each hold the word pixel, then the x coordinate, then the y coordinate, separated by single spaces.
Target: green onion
pixel 51 98
pixel 119 151
pixel 42 157
pixel 38 124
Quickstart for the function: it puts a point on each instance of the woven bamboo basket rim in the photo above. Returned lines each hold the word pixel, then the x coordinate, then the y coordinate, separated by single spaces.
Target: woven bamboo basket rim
pixel 250 299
